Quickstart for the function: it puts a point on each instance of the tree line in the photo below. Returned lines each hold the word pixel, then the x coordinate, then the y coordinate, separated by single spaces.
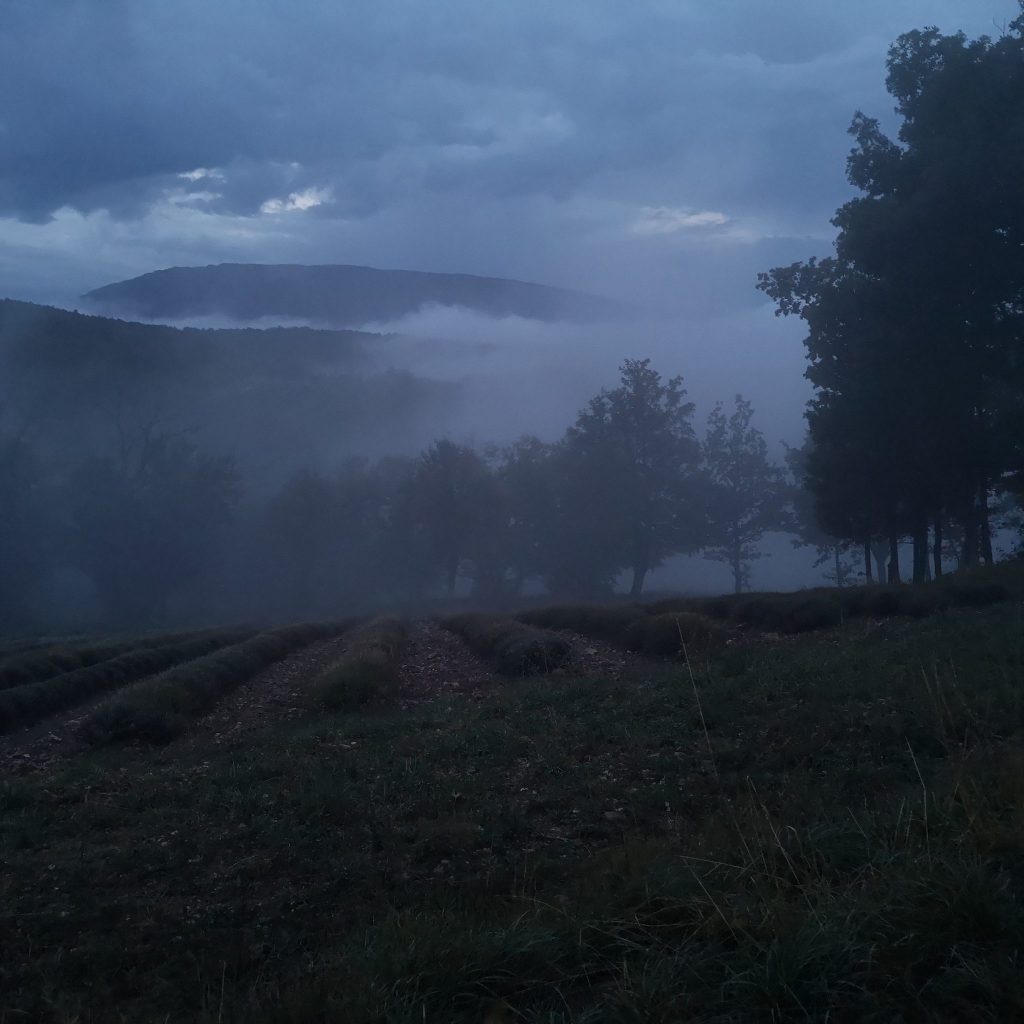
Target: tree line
pixel 915 325
pixel 156 525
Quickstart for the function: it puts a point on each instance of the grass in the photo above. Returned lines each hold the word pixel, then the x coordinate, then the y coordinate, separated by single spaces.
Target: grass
pixel 368 671
pixel 514 648
pixel 805 610
pixel 159 709
pixel 24 705
pixel 826 829
pixel 632 628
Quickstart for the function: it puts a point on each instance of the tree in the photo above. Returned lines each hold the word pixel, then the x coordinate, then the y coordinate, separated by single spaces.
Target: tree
pixel 914 325
pixel 24 548
pixel 453 503
pixel 632 466
pixel 831 550
pixel 746 492
pixel 528 477
pixel 150 524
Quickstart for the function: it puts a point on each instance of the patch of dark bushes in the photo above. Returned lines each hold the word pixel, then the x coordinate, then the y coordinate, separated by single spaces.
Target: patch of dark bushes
pixel 611 624
pixel 514 648
pixel 27 704
pixel 665 635
pixel 368 671
pixel 159 709
pixel 35 665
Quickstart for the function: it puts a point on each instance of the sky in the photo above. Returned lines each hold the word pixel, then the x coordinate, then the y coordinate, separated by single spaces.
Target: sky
pixel 658 151
pixel 661 151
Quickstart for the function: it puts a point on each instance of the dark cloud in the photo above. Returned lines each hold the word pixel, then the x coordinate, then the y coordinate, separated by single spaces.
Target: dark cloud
pixel 105 95
pixel 662 152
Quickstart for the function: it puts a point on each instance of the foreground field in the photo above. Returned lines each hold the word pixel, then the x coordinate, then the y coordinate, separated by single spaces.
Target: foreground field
pixel 819 827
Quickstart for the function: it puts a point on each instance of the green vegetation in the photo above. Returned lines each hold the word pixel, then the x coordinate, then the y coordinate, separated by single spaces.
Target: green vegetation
pixel 27 704
pixel 514 648
pixel 160 708
pixel 809 831
pixel 661 634
pixel 610 623
pixel 803 610
pixel 32 664
pixel 911 294
pixel 368 672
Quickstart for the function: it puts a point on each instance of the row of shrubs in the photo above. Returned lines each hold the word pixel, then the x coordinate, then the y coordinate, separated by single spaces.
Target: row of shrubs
pixel 631 628
pixel 368 671
pixel 159 709
pixel 513 647
pixel 25 705
pixel 31 665
pixel 816 609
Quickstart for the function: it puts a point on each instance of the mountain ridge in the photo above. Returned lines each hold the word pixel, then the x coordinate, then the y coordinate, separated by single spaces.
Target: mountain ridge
pixel 342 296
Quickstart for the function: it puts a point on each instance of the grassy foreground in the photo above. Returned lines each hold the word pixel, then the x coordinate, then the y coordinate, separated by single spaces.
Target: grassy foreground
pixel 830 827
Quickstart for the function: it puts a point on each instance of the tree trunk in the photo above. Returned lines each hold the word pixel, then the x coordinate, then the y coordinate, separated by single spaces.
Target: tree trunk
pixel 840 580
pixel 868 576
pixel 937 547
pixel 920 549
pixel 894 559
pixel 969 558
pixel 451 575
pixel 986 526
pixel 737 571
pixel 639 575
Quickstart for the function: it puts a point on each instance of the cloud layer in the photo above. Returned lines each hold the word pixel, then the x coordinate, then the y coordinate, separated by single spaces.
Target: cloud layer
pixel 662 152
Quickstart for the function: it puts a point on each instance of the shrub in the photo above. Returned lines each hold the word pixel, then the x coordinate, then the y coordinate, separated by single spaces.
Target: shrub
pixel 515 648
pixel 34 665
pixel 816 612
pixel 611 624
pixel 369 668
pixel 158 709
pixel 25 705
pixel 664 635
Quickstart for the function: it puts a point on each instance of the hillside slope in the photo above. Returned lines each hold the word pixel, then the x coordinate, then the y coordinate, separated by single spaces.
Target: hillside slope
pixel 276 398
pixel 340 295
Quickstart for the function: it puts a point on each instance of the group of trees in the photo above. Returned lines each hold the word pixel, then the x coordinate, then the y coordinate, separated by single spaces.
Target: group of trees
pixel 629 485
pixel 915 326
pixel 158 526
pixel 915 339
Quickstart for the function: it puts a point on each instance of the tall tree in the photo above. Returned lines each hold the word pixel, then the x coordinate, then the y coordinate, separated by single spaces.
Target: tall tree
pixel 24 533
pixel 832 551
pixel 746 492
pixel 633 462
pixel 454 503
pixel 150 524
pixel 914 325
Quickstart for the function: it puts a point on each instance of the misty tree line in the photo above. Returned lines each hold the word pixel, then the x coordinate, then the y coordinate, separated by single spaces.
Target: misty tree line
pixel 163 531
pixel 157 526
pixel 915 326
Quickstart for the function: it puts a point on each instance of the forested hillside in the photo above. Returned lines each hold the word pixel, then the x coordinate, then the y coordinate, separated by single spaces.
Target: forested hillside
pixel 343 296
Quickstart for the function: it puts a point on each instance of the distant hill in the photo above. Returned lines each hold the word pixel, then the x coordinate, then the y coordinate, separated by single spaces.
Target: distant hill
pixel 45 337
pixel 277 398
pixel 342 296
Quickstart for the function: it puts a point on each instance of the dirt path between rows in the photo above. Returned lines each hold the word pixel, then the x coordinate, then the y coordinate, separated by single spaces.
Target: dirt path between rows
pixel 437 663
pixel 280 692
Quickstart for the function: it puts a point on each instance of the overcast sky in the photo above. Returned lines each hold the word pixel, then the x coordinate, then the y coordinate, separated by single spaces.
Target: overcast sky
pixel 635 146
pixel 659 150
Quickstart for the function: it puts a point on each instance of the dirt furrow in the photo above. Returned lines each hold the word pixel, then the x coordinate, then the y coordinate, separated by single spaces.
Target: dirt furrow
pixel 437 663
pixel 280 692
